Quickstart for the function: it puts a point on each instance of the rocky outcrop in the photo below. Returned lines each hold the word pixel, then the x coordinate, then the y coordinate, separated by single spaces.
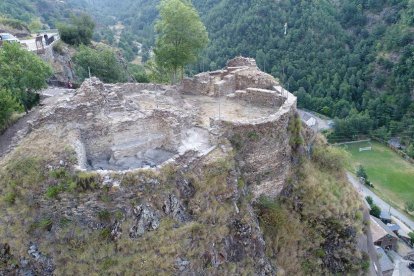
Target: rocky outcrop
pixel 145 219
pixel 173 207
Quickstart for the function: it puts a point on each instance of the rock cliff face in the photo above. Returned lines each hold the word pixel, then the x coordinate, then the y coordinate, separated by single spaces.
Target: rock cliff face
pixel 149 178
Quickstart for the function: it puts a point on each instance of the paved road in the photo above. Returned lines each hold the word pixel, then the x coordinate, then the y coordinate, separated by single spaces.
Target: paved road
pixel 364 191
pixel 31 43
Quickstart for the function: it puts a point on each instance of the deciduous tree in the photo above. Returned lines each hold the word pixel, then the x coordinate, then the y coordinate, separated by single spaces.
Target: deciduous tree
pixel 181 36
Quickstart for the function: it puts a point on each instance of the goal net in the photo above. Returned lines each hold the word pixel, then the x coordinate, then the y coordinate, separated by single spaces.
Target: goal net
pixel 365 149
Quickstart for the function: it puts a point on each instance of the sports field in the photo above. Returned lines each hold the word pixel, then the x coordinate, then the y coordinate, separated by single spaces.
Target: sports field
pixel 392 176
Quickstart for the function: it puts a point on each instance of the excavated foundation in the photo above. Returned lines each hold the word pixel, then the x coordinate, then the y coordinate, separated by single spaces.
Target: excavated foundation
pixel 119 127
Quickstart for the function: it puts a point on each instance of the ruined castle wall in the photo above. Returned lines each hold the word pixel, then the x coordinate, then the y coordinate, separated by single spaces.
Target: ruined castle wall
pixel 254 78
pixel 263 148
pixel 242 61
pixel 135 87
pixel 201 84
pixel 260 97
pixel 225 86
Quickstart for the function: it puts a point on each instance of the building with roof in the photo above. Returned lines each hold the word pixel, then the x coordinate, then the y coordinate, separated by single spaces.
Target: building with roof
pixel 387 267
pixel 382 236
pixel 393 227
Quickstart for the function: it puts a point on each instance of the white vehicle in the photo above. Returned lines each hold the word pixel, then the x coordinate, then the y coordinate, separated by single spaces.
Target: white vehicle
pixel 8 37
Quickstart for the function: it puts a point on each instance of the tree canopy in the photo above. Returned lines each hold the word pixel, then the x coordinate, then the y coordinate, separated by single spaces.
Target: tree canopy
pixel 181 36
pixel 21 74
pixel 102 63
pixel 79 31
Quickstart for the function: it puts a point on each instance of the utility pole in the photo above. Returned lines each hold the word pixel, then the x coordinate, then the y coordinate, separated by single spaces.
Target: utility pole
pixel 219 102
pixel 286 27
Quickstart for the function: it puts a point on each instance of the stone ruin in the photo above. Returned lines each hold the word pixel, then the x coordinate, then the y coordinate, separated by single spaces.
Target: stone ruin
pixel 123 127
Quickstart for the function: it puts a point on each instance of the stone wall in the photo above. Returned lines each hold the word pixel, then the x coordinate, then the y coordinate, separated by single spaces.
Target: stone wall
pixel 260 97
pixel 242 61
pixel 263 150
pixel 241 73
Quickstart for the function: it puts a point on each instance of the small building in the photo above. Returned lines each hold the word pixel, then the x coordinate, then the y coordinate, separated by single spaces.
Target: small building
pixel 394 227
pixel 385 217
pixel 382 236
pixel 387 267
pixel 309 120
pixel 395 142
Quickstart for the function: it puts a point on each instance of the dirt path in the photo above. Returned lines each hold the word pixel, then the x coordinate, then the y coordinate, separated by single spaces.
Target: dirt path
pixel 13 135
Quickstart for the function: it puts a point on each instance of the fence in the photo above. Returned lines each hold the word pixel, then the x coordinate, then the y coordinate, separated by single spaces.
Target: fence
pixel 396 150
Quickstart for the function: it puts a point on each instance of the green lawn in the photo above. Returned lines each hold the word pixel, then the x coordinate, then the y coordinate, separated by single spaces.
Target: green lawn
pixel 392 176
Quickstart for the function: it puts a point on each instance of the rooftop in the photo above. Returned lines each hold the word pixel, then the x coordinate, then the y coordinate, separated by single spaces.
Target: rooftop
pixel 379 229
pixel 384 260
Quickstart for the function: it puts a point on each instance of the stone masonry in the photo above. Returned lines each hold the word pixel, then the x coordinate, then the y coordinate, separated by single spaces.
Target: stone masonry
pixel 124 127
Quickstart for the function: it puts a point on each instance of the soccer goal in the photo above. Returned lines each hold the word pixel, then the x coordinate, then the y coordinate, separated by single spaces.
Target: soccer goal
pixel 365 149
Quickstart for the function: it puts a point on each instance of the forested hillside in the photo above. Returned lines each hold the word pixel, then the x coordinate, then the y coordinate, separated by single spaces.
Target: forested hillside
pixel 28 11
pixel 351 60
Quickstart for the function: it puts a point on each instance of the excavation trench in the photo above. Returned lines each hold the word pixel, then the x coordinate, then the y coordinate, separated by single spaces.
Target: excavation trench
pixel 145 143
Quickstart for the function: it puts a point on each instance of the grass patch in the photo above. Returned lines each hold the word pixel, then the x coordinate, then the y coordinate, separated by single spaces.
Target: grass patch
pixel 45 224
pixel 53 191
pixel 391 175
pixel 104 215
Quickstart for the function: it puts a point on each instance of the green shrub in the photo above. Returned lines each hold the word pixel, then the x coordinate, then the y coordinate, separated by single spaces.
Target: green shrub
pixel 79 31
pixel 53 191
pixel 24 74
pixel 320 253
pixel 105 234
pixel 58 48
pixel 236 141
pixel 369 200
pixel 85 181
pixel 104 215
pixel 10 197
pixel 8 105
pixel 294 127
pixel 375 211
pixel 409 206
pixel 108 263
pixel 45 224
pixel 253 135
pixel 59 173
pixel 240 183
pixel 102 63
pixel 14 23
pixel 361 172
pixel 138 73
pixel 330 158
pixel 64 222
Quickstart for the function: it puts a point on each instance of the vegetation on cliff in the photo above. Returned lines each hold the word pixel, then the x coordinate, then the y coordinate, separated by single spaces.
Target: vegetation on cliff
pixel 21 74
pixel 317 217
